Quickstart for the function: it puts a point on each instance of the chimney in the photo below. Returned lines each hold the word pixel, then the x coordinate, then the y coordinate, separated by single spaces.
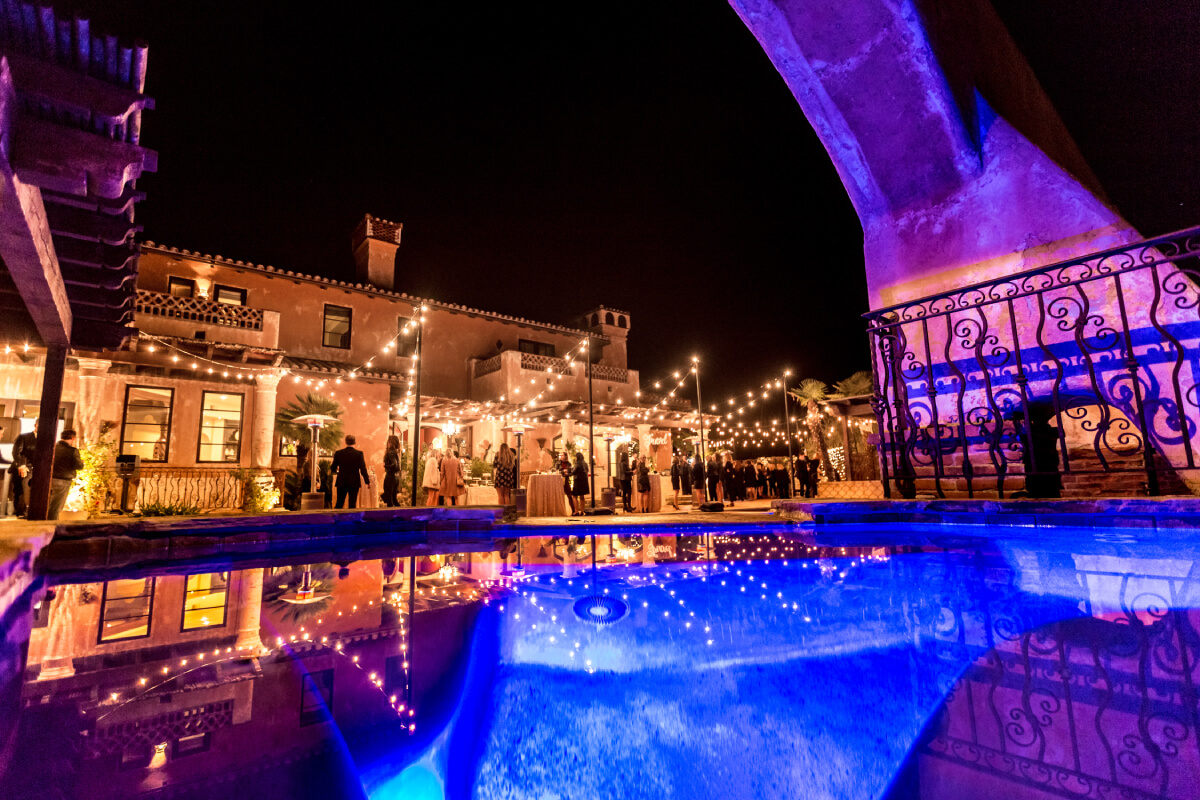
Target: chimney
pixel 375 242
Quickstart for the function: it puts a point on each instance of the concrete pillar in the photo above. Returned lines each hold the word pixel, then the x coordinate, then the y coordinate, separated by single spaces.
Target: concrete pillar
pixel 644 440
pixel 91 397
pixel 262 435
pixel 60 644
pixel 47 431
pixel 249 613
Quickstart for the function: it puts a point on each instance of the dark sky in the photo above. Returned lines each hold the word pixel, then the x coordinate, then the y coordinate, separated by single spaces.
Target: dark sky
pixel 644 155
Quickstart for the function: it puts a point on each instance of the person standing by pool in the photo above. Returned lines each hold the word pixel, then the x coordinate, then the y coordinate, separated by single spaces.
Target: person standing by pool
pixel 712 472
pixel 697 481
pixel 391 471
pixel 66 463
pixel 453 481
pixel 643 485
pixel 21 468
pixel 685 474
pixel 432 479
pixel 504 467
pixel 678 468
pixel 728 480
pixel 348 464
pixel 579 487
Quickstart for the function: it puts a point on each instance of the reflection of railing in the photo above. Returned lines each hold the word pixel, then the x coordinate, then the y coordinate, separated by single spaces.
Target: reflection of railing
pixel 995 385
pixel 487 367
pixel 533 361
pixel 198 309
pixel 602 372
pixel 206 488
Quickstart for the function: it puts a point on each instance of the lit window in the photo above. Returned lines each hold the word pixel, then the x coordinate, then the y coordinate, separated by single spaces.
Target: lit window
pixel 337 327
pixel 230 295
pixel 205 601
pixel 147 422
pixel 181 287
pixel 220 427
pixel 125 609
pixel 316 697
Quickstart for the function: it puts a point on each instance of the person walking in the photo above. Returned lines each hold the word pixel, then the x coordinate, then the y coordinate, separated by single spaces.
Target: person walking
pixel 579 487
pixel 643 485
pixel 391 472
pixel 454 483
pixel 21 469
pixel 348 464
pixel 67 462
pixel 697 481
pixel 504 474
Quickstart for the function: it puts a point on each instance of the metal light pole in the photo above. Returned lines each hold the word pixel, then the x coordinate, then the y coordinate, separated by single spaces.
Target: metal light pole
pixel 788 427
pixel 420 320
pixel 591 421
pixel 699 402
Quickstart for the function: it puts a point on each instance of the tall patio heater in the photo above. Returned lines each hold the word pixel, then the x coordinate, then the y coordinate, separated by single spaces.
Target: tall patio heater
pixel 314 500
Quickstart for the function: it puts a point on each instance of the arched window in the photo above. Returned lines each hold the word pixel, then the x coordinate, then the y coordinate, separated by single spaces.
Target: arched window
pixel 595 319
pixel 621 323
pixel 608 318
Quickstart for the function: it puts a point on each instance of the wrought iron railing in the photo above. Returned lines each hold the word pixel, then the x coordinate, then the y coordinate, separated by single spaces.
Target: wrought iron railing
pixel 1052 381
pixel 204 488
pixel 198 309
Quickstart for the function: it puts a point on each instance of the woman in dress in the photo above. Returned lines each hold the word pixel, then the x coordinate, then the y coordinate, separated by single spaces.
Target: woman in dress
pixel 643 483
pixel 580 486
pixel 433 477
pixel 697 481
pixel 750 480
pixel 728 479
pixel 564 469
pixel 504 474
pixel 453 481
pixel 677 470
pixel 391 471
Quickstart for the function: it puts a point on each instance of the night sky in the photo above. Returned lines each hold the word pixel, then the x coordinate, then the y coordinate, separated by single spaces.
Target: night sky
pixel 645 156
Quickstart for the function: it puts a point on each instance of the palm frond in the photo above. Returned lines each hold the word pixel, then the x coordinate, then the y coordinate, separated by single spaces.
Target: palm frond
pixel 857 384
pixel 810 389
pixel 331 435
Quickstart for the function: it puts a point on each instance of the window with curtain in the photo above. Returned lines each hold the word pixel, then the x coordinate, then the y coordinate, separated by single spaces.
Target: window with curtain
pixel 146 426
pixel 220 427
pixel 125 609
pixel 205 600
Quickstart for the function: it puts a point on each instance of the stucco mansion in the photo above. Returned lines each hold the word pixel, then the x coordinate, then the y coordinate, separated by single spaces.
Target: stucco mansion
pixel 221 344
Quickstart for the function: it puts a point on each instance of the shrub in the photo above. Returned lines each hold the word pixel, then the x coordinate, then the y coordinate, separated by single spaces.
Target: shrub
pixel 167 510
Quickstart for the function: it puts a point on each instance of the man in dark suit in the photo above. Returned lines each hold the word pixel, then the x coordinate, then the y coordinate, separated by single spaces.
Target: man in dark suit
pixel 21 469
pixel 348 464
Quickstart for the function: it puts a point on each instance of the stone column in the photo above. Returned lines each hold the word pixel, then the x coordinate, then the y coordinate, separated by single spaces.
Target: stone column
pixel 568 430
pixel 91 397
pixel 262 435
pixel 249 611
pixel 644 440
pixel 60 643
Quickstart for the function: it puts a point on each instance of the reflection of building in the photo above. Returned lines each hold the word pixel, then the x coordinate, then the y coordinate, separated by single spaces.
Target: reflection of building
pixel 222 344
pixel 208 678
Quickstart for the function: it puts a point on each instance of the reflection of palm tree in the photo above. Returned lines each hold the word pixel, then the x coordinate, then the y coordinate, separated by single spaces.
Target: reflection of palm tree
pixel 288 581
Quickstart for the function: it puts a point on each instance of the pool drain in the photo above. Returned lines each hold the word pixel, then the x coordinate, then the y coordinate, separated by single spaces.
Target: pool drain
pixel 600 609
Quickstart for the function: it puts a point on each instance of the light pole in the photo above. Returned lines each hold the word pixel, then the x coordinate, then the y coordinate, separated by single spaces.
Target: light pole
pixel 587 344
pixel 699 402
pixel 788 428
pixel 418 320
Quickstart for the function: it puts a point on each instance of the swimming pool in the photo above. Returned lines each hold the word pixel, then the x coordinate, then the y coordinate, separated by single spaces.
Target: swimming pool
pixel 854 663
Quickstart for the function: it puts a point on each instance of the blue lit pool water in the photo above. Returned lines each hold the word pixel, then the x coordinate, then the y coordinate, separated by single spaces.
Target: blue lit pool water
pixel 940 664
pixel 792 666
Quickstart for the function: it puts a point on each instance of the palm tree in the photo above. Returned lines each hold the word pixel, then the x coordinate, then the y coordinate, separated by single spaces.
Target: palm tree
pixel 330 436
pixel 856 385
pixel 812 392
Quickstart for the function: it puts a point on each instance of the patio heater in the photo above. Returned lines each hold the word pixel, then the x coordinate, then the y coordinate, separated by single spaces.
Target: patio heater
pixel 699 402
pixel 519 429
pixel 314 499
pixel 788 427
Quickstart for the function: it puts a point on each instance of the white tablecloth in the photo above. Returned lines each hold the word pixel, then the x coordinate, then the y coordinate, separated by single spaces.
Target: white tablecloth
pixel 544 496
pixel 482 496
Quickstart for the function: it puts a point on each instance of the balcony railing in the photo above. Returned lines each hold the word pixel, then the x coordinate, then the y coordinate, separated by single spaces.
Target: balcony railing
pixel 199 309
pixel 602 372
pixel 487 367
pixel 557 366
pixel 1068 374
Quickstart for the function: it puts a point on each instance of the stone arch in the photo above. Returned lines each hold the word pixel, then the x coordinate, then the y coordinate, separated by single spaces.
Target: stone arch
pixel 608 318
pixel 954 158
pixel 622 322
pixel 595 319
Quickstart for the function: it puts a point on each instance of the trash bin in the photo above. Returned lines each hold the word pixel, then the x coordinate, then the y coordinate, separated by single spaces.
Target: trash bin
pixel 608 498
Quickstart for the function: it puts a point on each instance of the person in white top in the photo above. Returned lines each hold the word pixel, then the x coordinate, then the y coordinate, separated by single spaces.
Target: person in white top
pixel 433 477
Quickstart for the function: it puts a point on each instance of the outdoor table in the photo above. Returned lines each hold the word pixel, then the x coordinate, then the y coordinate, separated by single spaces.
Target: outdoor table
pixel 544 496
pixel 482 496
